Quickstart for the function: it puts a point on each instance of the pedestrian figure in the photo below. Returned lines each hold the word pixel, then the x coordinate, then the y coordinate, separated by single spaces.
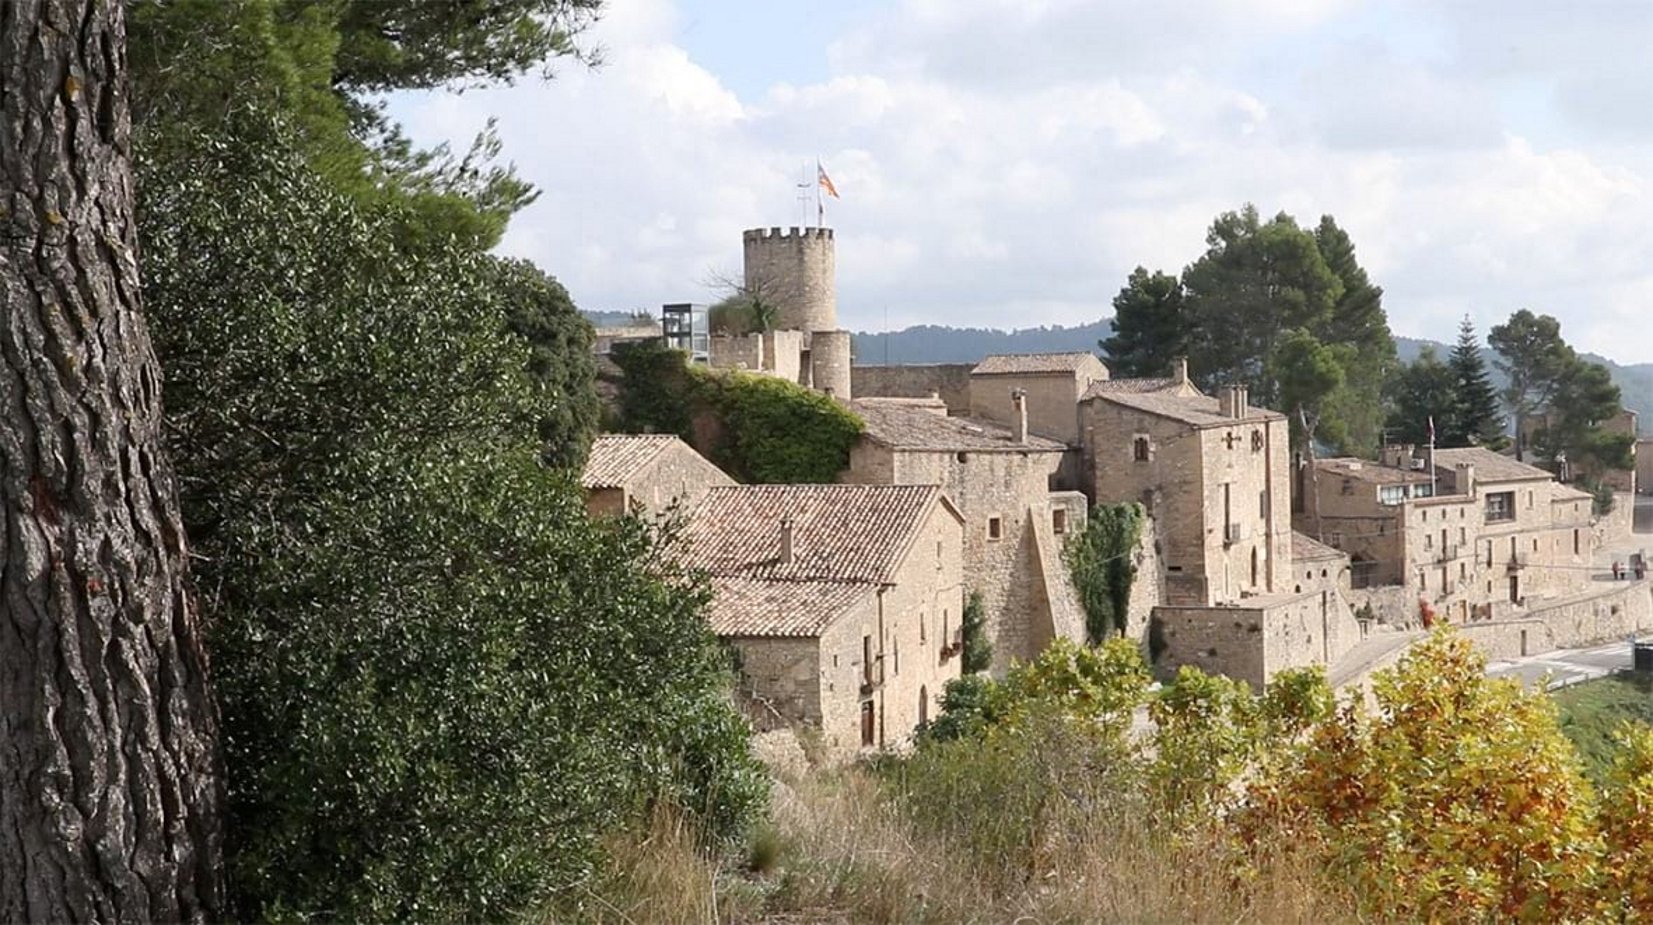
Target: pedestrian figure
pixel 1618 570
pixel 1641 569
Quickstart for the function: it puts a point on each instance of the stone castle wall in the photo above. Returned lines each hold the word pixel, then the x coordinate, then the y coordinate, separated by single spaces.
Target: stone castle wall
pixel 950 381
pixel 796 269
pixel 829 363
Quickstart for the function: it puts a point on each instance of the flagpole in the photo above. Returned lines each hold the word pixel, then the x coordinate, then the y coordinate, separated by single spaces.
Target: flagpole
pixel 820 205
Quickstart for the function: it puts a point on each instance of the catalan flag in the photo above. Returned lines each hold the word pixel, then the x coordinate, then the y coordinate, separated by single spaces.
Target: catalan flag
pixel 825 181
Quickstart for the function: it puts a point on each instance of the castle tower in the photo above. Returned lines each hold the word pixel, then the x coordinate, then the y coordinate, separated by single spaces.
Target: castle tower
pixel 829 362
pixel 794 268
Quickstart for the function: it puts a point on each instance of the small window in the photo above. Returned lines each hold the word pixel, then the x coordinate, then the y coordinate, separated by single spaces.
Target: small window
pixel 963 457
pixel 1262 504
pixel 1140 449
pixel 1059 521
pixel 869 723
pixel 995 528
pixel 1429 541
pixel 1535 544
pixel 1256 441
pixel 922 636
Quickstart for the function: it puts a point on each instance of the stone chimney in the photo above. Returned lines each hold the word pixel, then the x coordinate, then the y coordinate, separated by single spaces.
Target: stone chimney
pixel 786 540
pixel 1018 433
pixel 1463 479
pixel 1232 401
pixel 1179 370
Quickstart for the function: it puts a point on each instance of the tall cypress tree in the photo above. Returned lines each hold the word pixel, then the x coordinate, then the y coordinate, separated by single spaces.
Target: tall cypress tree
pixel 1477 421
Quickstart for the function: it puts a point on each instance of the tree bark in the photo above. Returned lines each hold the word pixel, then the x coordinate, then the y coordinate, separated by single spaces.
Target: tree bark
pixel 110 789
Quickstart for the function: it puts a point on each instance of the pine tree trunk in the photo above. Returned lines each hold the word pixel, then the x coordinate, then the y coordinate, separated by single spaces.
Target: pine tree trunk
pixel 110 791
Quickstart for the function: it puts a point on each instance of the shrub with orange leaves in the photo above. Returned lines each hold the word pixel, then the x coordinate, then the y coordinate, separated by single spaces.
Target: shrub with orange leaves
pixel 1457 799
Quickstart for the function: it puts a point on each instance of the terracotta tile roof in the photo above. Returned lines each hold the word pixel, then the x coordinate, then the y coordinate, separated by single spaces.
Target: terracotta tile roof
pixel 1130 385
pixel 1489 466
pixel 843 533
pixel 908 428
pixel 616 458
pixel 1197 410
pixel 1563 493
pixel 1366 470
pixel 754 607
pixel 1024 363
pixel 1305 548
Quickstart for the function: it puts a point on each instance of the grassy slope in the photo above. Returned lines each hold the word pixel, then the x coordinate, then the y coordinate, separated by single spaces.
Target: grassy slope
pixel 1591 711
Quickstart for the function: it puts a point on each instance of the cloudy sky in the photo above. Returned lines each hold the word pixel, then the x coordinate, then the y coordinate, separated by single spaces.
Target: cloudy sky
pixel 1006 163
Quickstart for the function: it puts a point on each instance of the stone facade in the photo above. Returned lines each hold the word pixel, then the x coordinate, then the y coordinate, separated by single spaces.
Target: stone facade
pixel 645 474
pixel 843 604
pixel 1254 640
pixel 1014 523
pixel 949 382
pixel 1050 385
pixel 1213 475
pixel 1475 536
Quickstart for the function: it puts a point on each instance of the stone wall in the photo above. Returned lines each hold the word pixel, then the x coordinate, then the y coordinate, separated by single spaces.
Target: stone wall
pixel 1012 571
pixel 1644 465
pixel 1622 610
pixel 732 351
pixel 1221 496
pixel 796 269
pixel 829 363
pixel 1392 605
pixel 1052 400
pixel 1617 526
pixel 1252 642
pixel 780 681
pixel 782 351
pixel 677 476
pixel 951 381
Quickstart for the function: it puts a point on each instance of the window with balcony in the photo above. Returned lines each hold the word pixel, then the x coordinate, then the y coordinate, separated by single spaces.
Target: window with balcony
pixel 1500 506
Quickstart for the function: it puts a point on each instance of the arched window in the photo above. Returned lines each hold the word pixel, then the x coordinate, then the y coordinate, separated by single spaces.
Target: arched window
pixel 1140 449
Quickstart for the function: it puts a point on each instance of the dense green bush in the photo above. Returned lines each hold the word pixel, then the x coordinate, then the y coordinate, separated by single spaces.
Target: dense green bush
pixel 1101 561
pixel 440 682
pixel 764 429
pixel 978 649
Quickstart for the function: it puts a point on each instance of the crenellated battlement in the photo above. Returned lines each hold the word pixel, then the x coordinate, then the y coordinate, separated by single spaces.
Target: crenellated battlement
pixel 752 235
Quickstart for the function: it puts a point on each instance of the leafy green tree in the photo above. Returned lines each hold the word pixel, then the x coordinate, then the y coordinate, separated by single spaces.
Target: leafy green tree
pixel 441 682
pixel 1255 282
pixel 1150 327
pixel 978 649
pixel 397 46
pixel 1424 390
pixel 1310 374
pixel 1102 562
pixel 538 310
pixel 1535 360
pixel 1476 420
pixel 1583 400
pixel 320 64
pixel 1358 321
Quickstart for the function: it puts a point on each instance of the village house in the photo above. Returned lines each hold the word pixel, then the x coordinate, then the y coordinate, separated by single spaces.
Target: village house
pixel 1473 534
pixel 1015 523
pixel 1049 385
pixel 1213 475
pixel 645 474
pixel 842 602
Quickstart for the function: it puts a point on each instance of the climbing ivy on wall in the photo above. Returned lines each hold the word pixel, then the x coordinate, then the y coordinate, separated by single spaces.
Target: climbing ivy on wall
pixel 978 652
pixel 759 429
pixel 1100 560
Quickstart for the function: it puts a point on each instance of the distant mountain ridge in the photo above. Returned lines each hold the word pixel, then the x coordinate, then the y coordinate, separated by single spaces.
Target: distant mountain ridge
pixel 929 343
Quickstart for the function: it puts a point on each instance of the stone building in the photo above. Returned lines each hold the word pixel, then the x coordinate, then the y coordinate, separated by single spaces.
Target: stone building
pixel 793 271
pixel 1213 475
pixel 645 473
pixel 1477 535
pixel 1049 385
pixel 1015 523
pixel 1622 481
pixel 843 603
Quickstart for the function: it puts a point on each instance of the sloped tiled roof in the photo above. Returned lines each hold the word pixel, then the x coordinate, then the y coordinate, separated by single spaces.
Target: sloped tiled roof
pixel 1367 470
pixel 753 607
pixel 845 533
pixel 1130 385
pixel 1024 363
pixel 1305 548
pixel 616 458
pixel 1197 410
pixel 1563 493
pixel 1489 466
pixel 908 428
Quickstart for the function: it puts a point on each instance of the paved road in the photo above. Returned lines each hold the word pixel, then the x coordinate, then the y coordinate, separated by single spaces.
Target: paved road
pixel 1566 666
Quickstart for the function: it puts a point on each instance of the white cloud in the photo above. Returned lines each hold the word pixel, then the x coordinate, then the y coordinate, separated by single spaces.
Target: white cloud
pixel 1007 163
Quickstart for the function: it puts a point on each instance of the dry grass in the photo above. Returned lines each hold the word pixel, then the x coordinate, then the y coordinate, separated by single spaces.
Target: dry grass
pixel 958 838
